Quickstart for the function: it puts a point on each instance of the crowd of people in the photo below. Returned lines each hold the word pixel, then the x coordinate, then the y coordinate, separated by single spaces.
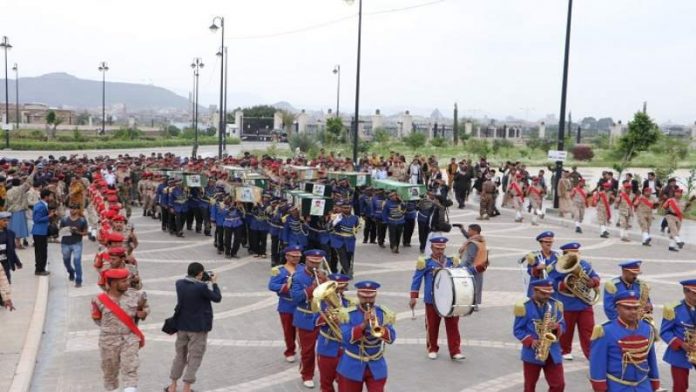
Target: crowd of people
pixel 69 198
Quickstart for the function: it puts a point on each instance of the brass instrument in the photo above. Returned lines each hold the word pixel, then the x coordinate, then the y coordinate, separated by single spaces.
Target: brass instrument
pixel 690 336
pixel 576 279
pixel 376 329
pixel 326 292
pixel 546 337
pixel 643 301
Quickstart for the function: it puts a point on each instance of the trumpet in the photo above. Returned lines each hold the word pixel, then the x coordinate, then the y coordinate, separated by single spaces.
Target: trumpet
pixel 376 329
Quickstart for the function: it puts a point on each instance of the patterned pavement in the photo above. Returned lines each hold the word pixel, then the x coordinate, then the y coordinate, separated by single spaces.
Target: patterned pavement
pixel 245 347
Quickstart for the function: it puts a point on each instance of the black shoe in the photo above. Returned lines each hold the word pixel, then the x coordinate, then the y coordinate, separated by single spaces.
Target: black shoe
pixel 407 245
pixel 382 246
pixel 578 230
pixel 228 256
pixel 71 276
pixel 364 241
pixel 78 285
pixel 646 243
pixel 673 249
pixel 188 229
pixel 179 234
pixel 234 257
pixel 26 243
pixel 42 273
pixel 373 242
pixel 680 244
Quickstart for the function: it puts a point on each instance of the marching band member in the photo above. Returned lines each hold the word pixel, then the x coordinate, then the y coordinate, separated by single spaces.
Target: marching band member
pixel 644 206
pixel 345 226
pixel 678 331
pixel 304 281
pixel 393 216
pixel 625 206
pixel 623 351
pixel 535 318
pixel 329 346
pixel 539 261
pixel 627 281
pixel 579 197
pixel 280 283
pixel 674 214
pixel 603 199
pixel 575 310
pixel 425 269
pixel 369 327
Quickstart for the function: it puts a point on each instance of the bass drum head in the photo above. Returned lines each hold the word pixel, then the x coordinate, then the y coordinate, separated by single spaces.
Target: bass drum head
pixel 464 292
pixel 443 293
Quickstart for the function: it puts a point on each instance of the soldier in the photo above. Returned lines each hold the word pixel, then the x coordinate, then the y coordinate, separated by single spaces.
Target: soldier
pixel 602 199
pixel 304 281
pixel 425 269
pixel 233 225
pixel 365 207
pixel 536 193
pixel 393 216
pixel 280 283
pixel 410 215
pixel 487 204
pixel 644 206
pixel 217 217
pixel 378 202
pixel 329 346
pixel 538 261
pixel 258 227
pixel 362 362
pixel 579 198
pixel 115 312
pixel 677 331
pixel 425 210
pixel 206 203
pixel 144 196
pixel 275 224
pixel 564 188
pixel 516 193
pixel 345 226
pixel 674 214
pixel 161 201
pixel 536 316
pixel 623 350
pixel 625 206
pixel 178 201
pixel 627 281
pixel 575 310
pixel 124 194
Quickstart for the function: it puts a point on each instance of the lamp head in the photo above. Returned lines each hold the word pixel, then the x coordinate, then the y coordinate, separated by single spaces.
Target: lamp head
pixel 14 67
pixel 214 27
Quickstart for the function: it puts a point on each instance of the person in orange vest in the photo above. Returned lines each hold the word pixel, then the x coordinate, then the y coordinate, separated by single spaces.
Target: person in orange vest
pixel 474 256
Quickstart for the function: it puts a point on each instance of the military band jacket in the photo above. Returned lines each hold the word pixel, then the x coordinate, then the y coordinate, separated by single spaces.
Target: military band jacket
pixel 328 344
pixel 343 233
pixel 301 290
pixel 676 320
pixel 614 287
pixel 426 269
pixel 538 266
pixel 280 283
pixel 528 315
pixel 571 303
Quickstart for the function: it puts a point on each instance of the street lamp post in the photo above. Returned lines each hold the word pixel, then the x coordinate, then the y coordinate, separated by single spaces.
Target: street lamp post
pixel 16 70
pixel 196 65
pixel 356 119
pixel 564 91
pixel 224 102
pixel 337 72
pixel 5 45
pixel 103 67
pixel 214 27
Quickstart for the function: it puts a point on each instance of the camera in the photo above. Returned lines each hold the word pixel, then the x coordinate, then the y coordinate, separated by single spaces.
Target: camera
pixel 207 275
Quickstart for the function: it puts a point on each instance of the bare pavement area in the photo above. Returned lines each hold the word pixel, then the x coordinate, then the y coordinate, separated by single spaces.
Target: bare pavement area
pixel 245 347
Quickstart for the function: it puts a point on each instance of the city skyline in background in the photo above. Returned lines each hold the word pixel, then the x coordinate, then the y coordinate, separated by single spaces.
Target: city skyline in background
pixel 495 60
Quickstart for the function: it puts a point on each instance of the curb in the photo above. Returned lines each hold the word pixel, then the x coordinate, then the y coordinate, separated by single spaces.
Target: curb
pixel 27 360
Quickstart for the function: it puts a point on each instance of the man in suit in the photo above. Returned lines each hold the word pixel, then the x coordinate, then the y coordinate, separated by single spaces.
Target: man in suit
pixel 653 183
pixel 41 216
pixel 194 319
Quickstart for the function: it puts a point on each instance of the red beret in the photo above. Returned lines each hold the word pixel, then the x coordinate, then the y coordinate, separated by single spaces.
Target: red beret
pixel 116 237
pixel 117 251
pixel 116 273
pixel 119 218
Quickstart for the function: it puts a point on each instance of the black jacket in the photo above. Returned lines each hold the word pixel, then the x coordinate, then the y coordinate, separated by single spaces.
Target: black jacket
pixel 193 302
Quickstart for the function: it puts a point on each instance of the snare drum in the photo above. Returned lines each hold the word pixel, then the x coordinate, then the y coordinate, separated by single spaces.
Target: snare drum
pixel 453 292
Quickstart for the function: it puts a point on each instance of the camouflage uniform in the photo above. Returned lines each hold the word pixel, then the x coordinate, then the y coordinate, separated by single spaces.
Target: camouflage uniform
pixel 644 215
pixel 117 344
pixel 487 199
pixel 124 196
pixel 625 206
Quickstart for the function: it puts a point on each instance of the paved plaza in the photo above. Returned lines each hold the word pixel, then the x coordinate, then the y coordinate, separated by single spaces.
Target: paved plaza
pixel 245 350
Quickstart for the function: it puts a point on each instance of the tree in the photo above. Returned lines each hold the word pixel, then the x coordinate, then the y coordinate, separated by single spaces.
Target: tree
pixel 642 134
pixel 260 111
pixel 334 126
pixel 288 121
pixel 83 118
pixel 52 122
pixel 414 140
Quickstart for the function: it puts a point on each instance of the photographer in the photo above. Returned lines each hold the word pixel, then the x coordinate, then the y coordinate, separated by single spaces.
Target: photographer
pixel 71 245
pixel 193 319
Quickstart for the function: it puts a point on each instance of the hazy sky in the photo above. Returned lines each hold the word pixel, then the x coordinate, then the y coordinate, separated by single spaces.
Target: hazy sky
pixel 493 57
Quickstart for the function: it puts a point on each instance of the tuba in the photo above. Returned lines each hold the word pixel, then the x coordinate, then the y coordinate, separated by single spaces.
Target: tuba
pixel 576 279
pixel 326 293
pixel 546 336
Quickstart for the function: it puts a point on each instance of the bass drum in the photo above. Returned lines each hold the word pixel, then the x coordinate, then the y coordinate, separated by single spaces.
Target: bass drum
pixel 453 292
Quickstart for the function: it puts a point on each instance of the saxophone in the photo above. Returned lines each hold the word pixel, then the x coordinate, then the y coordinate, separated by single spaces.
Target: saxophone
pixel 546 337
pixel 644 299
pixel 690 336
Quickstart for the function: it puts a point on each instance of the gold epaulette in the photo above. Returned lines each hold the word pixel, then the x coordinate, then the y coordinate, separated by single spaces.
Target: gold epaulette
pixel 610 287
pixel 456 261
pixel 531 257
pixel 597 332
pixel 549 268
pixel 420 264
pixel 275 271
pixel 352 301
pixel 520 309
pixel 389 316
pixel 668 312
pixel 559 305
pixel 284 218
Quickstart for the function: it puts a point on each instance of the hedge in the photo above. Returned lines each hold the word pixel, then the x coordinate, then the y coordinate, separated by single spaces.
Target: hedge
pixel 25 144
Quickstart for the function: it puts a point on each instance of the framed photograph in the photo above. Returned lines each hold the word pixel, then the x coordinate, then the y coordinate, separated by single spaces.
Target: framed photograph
pixel 318 189
pixel 317 207
pixel 360 180
pixel 193 180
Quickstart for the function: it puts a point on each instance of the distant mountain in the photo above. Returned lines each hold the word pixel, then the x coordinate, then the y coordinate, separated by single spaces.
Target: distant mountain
pixel 62 89
pixel 282 105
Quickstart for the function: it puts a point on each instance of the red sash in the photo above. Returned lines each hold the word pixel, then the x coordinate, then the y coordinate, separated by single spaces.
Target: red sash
pixel 605 201
pixel 580 191
pixel 627 199
pixel 517 190
pixel 121 315
pixel 673 206
pixel 533 189
pixel 646 201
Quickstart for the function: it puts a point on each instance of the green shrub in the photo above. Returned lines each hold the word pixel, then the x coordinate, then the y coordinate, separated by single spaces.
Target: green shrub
pixel 478 147
pixel 582 152
pixel 381 136
pixel 127 134
pixel 499 144
pixel 302 140
pixel 173 131
pixel 438 142
pixel 415 140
